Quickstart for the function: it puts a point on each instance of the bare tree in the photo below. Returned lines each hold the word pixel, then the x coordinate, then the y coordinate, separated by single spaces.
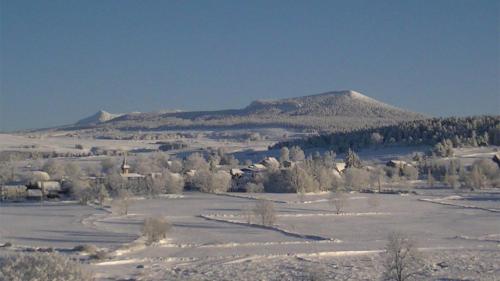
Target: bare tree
pixel 403 261
pixel 377 175
pixel 338 200
pixel 174 183
pixel 431 181
pixel 297 154
pixel 352 159
pixel 102 194
pixel 212 181
pixel 195 161
pixel 300 180
pixel 122 203
pixel 155 229
pixel 53 168
pixel 284 154
pixel 264 209
pixel 72 171
pixel 109 166
pixel 81 191
pixel 175 166
pixel 6 171
pixel 410 172
pixel 248 214
pixel 475 179
pixel 356 178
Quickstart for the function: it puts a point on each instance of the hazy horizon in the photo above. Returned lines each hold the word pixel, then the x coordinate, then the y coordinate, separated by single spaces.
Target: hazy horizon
pixel 62 61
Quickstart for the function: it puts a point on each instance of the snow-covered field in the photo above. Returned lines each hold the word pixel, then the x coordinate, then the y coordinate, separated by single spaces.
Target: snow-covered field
pixel 211 240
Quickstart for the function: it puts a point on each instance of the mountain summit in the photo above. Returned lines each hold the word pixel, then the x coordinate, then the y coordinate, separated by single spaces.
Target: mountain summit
pixel 338 110
pixel 99 117
pixel 338 103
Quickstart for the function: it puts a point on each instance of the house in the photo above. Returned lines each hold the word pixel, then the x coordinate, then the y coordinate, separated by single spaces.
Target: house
pixel 34 194
pixel 397 164
pixel 12 192
pixel 236 173
pixel 255 167
pixel 49 188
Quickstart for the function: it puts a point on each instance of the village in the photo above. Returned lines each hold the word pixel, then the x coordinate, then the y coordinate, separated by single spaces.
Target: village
pixel 38 185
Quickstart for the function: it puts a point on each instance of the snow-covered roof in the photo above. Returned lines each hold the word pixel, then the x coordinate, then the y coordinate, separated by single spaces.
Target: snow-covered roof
pixel 340 166
pixel 40 175
pixel 132 175
pixel 257 166
pixel 236 172
pixel 49 185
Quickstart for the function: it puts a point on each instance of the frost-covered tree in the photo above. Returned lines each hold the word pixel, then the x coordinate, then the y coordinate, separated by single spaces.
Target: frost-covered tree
pixel 195 161
pixel 41 267
pixel 284 154
pixel 403 261
pixel 297 154
pixel 265 212
pixel 155 229
pixel 352 160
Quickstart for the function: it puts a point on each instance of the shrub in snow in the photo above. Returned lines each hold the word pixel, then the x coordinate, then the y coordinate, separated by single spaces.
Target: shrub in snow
pixel 155 229
pixel 41 267
pixel 264 210
pixel 403 261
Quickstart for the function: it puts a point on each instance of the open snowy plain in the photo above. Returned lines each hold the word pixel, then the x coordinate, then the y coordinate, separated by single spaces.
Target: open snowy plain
pixel 211 238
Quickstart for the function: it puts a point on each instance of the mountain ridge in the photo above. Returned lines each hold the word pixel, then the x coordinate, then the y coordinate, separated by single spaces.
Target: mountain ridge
pixel 320 111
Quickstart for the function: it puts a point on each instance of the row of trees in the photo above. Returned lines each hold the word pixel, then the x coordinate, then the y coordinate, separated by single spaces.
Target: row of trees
pixel 466 131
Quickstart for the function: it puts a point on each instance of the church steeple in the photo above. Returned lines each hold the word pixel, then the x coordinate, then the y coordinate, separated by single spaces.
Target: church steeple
pixel 125 167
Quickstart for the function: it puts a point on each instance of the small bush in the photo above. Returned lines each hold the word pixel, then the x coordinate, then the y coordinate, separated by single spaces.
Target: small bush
pixel 155 229
pixel 254 187
pixel 87 248
pixel 339 201
pixel 264 210
pixel 41 267
pixel 99 255
pixel 403 261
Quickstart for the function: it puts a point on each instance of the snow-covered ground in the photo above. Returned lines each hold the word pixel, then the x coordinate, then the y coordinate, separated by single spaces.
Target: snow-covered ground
pixel 211 240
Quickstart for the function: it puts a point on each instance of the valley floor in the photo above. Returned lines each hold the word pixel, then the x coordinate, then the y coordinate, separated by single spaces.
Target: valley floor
pixel 211 239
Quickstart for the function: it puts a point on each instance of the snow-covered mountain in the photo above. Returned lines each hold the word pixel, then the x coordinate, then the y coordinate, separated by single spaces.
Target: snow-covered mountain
pixel 97 118
pixel 337 110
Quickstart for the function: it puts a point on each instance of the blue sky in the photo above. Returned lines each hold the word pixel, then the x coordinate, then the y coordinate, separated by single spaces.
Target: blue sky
pixel 63 60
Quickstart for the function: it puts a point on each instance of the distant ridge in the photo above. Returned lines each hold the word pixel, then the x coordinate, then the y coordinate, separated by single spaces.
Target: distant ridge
pixel 98 117
pixel 333 111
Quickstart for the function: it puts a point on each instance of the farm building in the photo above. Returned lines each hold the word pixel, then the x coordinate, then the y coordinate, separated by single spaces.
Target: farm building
pixel 397 164
pixel 13 192
pixel 34 194
pixel 49 188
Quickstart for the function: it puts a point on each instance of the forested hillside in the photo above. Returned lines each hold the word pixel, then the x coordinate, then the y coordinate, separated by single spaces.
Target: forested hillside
pixel 445 132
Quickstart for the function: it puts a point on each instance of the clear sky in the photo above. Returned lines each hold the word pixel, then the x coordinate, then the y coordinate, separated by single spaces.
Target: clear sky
pixel 64 60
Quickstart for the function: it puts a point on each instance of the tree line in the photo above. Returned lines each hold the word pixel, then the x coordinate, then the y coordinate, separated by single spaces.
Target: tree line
pixel 444 133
